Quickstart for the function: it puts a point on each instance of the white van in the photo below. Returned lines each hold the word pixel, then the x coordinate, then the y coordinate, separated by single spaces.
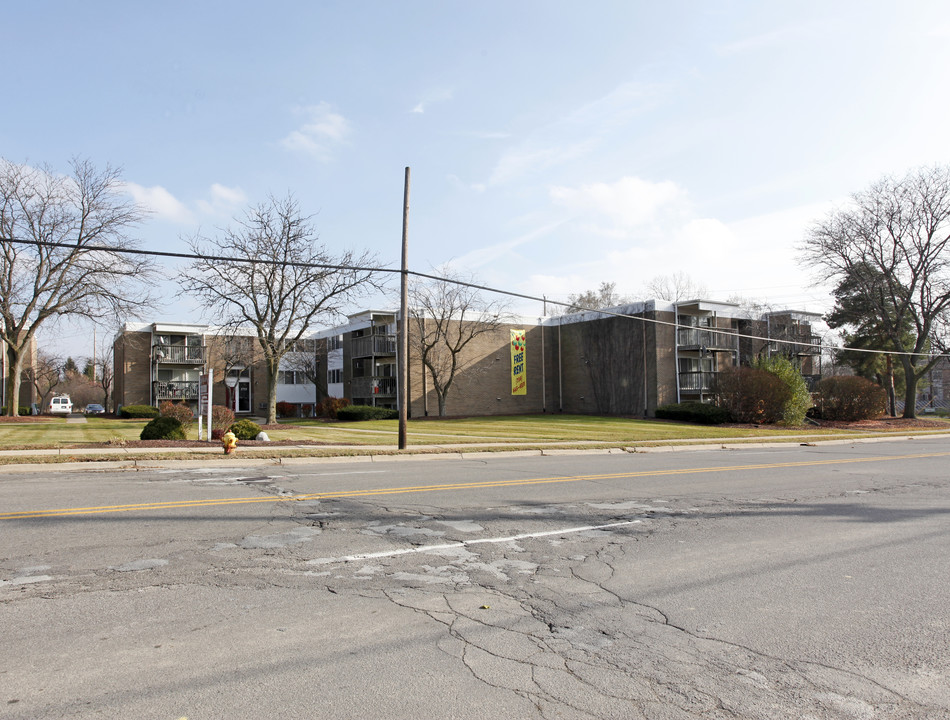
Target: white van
pixel 61 405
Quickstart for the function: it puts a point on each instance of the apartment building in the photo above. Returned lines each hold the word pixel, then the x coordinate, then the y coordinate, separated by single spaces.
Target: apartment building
pixel 155 362
pixel 626 360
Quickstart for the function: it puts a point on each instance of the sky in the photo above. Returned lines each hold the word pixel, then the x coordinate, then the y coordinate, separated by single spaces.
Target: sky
pixel 553 145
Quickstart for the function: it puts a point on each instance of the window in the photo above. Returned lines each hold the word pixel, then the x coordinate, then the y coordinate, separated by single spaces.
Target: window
pixel 289 377
pixel 335 376
pixel 334 342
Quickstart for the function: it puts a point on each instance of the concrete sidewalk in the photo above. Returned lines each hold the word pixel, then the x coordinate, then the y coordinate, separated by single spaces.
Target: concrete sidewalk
pixel 133 458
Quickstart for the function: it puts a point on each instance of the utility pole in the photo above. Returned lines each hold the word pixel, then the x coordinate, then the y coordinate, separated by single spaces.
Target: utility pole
pixel 402 367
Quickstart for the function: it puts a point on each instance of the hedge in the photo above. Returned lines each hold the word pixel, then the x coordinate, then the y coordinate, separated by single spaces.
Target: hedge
pixel 138 411
pixel 365 412
pixel 850 398
pixel 163 428
pixel 751 395
pixel 245 429
pixel 694 412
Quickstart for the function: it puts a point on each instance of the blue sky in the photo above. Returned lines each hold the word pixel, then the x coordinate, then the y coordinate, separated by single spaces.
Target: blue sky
pixel 553 145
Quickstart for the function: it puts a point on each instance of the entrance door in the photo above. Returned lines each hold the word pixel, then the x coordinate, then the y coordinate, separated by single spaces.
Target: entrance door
pixel 243 396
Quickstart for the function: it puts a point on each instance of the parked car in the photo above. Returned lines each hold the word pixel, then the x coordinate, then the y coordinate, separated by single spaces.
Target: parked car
pixel 61 405
pixel 95 409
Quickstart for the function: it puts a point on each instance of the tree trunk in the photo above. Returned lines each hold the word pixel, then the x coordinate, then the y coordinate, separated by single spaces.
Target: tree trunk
pixel 441 397
pixel 272 393
pixel 910 396
pixel 889 386
pixel 14 359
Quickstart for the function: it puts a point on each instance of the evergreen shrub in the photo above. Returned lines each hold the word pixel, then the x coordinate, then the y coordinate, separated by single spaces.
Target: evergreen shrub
pixel 245 429
pixel 365 412
pixel 694 412
pixel 163 428
pixel 139 411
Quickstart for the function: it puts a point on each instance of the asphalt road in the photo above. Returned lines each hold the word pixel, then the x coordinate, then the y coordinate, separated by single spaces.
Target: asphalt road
pixel 793 582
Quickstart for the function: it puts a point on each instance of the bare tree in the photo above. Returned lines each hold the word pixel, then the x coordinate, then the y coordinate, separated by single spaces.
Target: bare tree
pixel 45 375
pixel 603 297
pixel 891 244
pixel 447 316
pixel 275 281
pixel 107 380
pixel 59 242
pixel 675 288
pixel 306 362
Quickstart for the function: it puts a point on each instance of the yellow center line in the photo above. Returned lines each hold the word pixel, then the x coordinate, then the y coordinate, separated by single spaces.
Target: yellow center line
pixel 177 504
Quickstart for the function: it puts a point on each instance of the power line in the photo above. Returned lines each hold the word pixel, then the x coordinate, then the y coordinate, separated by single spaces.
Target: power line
pixel 454 281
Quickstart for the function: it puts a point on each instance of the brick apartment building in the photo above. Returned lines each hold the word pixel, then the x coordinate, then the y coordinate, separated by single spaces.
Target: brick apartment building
pixel 155 362
pixel 641 356
pixel 645 355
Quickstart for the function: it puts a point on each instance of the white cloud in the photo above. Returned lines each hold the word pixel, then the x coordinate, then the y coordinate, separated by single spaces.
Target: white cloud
pixel 224 200
pixel 322 131
pixel 767 40
pixel 485 255
pixel 576 134
pixel 627 203
pixel 431 98
pixel 160 202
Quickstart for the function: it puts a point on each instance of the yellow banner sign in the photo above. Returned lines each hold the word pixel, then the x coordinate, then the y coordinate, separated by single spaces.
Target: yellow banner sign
pixel 519 376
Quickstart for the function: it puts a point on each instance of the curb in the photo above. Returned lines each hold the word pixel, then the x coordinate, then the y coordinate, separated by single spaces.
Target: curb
pixel 130 463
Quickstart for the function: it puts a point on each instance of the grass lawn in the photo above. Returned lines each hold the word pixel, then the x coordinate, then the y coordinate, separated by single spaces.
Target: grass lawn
pixel 517 431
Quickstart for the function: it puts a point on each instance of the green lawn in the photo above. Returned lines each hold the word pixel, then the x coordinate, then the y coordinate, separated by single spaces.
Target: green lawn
pixel 510 430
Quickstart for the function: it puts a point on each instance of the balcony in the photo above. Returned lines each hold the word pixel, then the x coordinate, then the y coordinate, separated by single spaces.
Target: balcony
pixel 373 345
pixel 698 381
pixel 366 387
pixel 175 390
pixel 179 354
pixel 722 339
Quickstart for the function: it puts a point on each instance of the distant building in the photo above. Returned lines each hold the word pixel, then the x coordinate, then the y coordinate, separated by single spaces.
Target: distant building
pixel 627 360
pixel 155 362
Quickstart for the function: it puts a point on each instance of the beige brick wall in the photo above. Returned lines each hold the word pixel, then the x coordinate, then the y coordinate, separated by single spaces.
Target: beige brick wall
pixel 132 363
pixel 483 383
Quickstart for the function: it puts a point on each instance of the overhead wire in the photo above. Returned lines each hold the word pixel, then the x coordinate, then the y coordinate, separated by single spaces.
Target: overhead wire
pixel 454 281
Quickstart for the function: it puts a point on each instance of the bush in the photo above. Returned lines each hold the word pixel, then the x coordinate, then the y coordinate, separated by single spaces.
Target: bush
pixel 286 409
pixel 245 429
pixel 217 433
pixel 329 407
pixel 139 411
pixel 799 400
pixel 694 412
pixel 163 428
pixel 221 418
pixel 851 398
pixel 365 412
pixel 180 411
pixel 751 395
pixel 21 410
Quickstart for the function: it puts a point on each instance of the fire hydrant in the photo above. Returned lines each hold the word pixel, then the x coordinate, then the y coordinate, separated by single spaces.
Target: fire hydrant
pixel 229 440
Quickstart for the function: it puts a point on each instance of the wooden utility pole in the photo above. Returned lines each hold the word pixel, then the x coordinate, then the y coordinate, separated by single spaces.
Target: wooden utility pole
pixel 402 367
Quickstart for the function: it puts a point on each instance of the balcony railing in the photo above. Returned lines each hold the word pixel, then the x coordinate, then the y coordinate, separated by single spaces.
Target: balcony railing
pixel 712 339
pixel 364 387
pixel 176 390
pixel 373 345
pixel 697 381
pixel 179 354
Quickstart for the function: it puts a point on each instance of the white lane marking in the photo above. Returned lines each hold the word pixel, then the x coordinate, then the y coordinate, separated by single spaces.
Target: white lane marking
pixel 465 543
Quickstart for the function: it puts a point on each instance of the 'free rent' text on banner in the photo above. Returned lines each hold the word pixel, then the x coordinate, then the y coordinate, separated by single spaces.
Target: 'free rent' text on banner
pixel 519 376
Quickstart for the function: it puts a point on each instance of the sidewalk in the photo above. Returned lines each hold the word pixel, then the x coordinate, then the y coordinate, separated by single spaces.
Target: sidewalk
pixel 131 458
